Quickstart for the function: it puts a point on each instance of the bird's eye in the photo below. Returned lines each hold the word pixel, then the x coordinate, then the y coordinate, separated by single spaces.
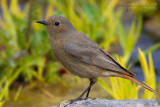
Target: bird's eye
pixel 57 23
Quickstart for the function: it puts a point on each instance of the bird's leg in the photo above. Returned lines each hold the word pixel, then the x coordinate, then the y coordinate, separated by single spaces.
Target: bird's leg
pixel 88 89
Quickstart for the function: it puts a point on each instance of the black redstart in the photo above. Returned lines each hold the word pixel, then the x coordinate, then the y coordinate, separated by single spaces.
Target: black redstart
pixel 82 56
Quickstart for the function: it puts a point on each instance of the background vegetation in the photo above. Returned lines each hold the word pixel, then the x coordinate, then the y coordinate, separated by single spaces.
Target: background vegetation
pixel 26 56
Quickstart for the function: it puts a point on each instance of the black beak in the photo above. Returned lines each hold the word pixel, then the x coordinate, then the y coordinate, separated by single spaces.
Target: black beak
pixel 42 22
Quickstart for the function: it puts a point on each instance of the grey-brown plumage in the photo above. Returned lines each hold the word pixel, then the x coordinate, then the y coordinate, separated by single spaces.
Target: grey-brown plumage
pixel 80 55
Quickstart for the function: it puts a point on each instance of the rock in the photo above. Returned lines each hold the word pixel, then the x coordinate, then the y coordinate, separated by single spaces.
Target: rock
pixel 114 103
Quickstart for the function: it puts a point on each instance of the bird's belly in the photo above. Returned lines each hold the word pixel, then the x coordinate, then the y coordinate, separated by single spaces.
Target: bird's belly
pixel 80 69
pixel 83 71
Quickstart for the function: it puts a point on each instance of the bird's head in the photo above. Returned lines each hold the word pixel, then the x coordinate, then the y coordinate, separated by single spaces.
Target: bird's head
pixel 57 25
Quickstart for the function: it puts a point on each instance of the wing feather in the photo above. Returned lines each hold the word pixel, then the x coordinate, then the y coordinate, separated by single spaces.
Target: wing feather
pixel 90 53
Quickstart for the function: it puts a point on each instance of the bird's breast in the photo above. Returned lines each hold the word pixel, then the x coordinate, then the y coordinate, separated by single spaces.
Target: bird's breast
pixel 74 66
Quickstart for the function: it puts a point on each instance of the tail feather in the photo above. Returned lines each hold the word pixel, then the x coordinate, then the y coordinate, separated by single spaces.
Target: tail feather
pixel 138 82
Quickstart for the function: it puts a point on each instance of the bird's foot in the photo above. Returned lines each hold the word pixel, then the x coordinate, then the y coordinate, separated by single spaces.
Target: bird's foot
pixel 71 101
pixel 79 98
pixel 87 98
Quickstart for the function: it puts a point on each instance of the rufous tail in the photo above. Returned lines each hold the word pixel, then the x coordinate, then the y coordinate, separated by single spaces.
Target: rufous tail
pixel 138 82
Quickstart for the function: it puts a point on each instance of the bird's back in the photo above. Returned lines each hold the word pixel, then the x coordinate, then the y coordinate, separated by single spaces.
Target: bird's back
pixel 82 49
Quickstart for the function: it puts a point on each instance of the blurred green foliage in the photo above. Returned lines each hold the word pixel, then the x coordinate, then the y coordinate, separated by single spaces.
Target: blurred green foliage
pixel 33 60
pixel 145 7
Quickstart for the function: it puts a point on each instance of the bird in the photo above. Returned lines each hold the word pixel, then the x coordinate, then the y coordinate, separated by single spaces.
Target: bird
pixel 82 56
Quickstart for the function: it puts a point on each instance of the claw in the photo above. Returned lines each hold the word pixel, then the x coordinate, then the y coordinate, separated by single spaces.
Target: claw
pixel 71 101
pixel 87 98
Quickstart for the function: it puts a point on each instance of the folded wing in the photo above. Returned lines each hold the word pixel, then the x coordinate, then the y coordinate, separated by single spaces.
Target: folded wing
pixel 90 53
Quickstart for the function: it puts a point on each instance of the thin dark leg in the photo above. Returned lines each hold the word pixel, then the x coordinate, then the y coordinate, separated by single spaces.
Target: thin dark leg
pixel 89 90
pixel 92 83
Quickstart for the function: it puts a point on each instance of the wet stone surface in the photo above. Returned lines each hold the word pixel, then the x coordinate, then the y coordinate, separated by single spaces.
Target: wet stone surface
pixel 113 103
